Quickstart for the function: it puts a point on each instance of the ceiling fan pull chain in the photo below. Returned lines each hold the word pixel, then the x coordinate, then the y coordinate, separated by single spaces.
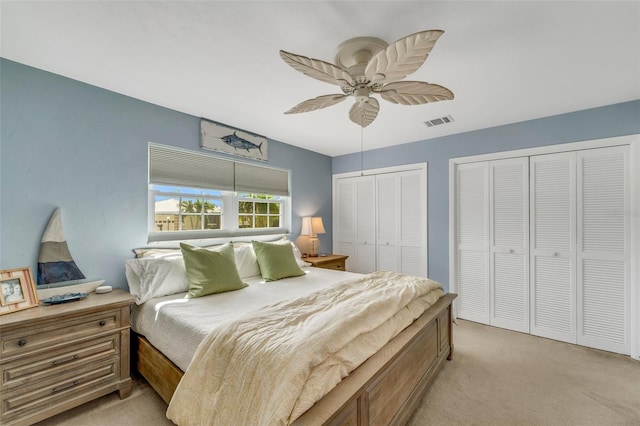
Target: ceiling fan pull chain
pixel 361 151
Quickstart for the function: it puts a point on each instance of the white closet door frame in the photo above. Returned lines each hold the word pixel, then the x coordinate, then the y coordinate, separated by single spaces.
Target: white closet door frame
pixel 633 141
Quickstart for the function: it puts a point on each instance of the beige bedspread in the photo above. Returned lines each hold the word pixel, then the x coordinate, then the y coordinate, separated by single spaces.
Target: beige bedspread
pixel 270 367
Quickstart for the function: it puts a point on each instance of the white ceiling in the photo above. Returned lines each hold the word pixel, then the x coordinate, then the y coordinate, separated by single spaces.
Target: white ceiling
pixel 505 61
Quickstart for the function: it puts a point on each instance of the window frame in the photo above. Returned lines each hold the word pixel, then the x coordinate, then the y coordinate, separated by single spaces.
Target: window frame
pixel 229 198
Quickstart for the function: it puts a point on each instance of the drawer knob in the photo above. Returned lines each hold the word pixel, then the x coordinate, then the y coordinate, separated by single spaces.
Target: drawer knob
pixel 22 342
pixel 102 323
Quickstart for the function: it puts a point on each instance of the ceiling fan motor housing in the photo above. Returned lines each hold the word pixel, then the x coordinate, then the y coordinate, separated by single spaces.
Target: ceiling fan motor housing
pixel 354 54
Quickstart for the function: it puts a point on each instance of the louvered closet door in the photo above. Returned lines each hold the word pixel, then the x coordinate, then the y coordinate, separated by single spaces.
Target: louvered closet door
pixel 509 243
pixel 552 234
pixel 365 225
pixel 413 223
pixel 345 220
pixel 388 200
pixel 472 223
pixel 603 249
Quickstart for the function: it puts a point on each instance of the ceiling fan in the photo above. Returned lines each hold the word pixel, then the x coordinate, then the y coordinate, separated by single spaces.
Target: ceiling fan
pixel 367 66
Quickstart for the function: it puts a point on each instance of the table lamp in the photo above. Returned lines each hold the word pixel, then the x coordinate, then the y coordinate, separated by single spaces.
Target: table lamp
pixel 312 226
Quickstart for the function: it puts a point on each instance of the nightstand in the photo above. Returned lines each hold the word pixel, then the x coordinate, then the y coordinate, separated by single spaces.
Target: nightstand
pixel 55 357
pixel 330 261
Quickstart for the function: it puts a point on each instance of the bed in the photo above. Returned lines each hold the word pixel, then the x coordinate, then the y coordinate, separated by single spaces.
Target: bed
pixel 384 389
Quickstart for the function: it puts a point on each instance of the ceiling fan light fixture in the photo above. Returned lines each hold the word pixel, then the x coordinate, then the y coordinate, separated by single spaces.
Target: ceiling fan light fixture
pixel 362 94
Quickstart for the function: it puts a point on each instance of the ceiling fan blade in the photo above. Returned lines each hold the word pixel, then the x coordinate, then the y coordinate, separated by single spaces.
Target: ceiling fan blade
pixel 414 92
pixel 320 70
pixel 316 103
pixel 402 57
pixel 363 113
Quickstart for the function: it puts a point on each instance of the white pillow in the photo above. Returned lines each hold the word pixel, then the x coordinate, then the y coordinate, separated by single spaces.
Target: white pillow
pixel 149 278
pixel 296 251
pixel 246 261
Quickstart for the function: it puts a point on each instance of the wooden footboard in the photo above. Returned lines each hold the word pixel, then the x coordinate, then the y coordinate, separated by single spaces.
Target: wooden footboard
pixel 384 390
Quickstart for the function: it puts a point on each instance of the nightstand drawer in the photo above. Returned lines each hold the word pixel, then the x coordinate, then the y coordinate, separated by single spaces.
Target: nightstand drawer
pixel 27 370
pixel 30 399
pixel 50 334
pixel 334 264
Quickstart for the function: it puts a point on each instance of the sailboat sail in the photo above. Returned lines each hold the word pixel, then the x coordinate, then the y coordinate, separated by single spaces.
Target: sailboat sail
pixel 55 263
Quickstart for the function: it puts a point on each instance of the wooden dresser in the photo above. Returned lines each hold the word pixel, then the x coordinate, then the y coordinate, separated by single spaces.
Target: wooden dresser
pixel 330 261
pixel 55 357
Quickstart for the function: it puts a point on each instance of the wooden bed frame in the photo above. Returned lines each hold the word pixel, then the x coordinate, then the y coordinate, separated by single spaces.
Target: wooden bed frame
pixel 386 389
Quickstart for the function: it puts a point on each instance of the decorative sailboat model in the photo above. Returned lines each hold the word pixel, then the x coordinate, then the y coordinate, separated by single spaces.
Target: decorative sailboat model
pixel 56 265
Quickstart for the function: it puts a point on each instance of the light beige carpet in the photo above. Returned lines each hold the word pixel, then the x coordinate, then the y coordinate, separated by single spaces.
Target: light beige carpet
pixel 497 377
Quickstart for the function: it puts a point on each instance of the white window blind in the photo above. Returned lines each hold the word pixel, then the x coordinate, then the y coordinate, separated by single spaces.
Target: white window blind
pixel 171 166
pixel 262 180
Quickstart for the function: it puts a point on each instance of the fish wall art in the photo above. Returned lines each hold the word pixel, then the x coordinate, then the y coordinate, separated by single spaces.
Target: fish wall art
pixel 221 138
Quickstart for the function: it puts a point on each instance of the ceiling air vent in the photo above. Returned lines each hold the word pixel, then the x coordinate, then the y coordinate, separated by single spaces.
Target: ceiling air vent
pixel 437 121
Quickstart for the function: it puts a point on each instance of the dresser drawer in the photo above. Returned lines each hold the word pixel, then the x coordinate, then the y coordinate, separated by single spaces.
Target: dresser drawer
pixel 27 400
pixel 52 333
pixel 27 370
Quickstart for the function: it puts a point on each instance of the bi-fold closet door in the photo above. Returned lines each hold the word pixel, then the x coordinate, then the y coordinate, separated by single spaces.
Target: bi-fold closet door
pixel 381 221
pixel 355 222
pixel 553 246
pixel 543 245
pixel 493 242
pixel 580 256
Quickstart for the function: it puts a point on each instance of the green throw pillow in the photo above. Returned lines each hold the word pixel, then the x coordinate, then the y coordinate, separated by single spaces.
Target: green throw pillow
pixel 210 270
pixel 276 261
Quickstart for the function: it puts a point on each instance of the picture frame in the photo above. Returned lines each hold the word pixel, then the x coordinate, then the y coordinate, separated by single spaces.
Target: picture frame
pixel 18 290
pixel 229 140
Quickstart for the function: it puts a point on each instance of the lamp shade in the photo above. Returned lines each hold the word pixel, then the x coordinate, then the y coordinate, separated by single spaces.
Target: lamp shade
pixel 312 226
pixel 306 226
pixel 317 227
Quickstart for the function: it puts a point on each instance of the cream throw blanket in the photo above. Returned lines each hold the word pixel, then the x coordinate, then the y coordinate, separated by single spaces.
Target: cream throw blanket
pixel 270 367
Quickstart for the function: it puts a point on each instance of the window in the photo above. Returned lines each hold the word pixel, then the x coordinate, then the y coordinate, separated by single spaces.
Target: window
pixel 258 211
pixel 193 195
pixel 186 209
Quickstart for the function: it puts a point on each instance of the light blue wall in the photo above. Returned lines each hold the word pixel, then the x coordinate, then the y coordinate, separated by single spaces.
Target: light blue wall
pixel 609 121
pixel 72 145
